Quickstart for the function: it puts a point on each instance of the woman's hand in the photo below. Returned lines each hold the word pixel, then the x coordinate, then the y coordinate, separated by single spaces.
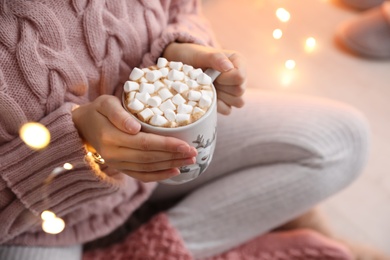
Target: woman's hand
pixel 114 134
pixel 230 84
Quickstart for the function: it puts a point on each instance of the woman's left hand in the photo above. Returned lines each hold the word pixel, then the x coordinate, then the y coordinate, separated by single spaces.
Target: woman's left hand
pixel 230 85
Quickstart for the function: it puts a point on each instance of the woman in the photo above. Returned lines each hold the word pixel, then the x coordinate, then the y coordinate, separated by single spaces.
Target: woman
pixel 64 64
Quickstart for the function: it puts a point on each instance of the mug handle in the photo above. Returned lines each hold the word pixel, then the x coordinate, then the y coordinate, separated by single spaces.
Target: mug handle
pixel 212 73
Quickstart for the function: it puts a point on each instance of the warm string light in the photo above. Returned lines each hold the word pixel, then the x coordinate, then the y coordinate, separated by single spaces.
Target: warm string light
pixel 289 68
pixel 290 64
pixel 310 44
pixel 35 135
pixel 68 166
pixel 47 215
pixel 277 34
pixel 287 75
pixel 283 15
pixel 57 171
pixel 51 223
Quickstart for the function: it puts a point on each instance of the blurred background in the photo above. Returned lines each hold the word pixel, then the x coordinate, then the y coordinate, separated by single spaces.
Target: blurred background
pixel 289 45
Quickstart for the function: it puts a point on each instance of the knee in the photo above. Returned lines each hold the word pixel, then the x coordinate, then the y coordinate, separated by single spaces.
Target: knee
pixel 343 146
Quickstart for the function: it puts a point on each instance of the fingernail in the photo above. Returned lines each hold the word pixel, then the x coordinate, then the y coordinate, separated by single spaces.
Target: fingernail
pixel 189 161
pixel 192 151
pixel 226 65
pixel 175 171
pixel 182 148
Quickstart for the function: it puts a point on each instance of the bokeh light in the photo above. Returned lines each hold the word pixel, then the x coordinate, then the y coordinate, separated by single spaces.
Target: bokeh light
pixel 68 166
pixel 35 135
pixel 283 15
pixel 290 64
pixel 51 223
pixel 46 215
pixel 277 34
pixel 310 44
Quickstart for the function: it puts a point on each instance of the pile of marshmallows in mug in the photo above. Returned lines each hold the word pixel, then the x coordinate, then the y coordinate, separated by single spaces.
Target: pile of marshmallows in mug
pixel 170 94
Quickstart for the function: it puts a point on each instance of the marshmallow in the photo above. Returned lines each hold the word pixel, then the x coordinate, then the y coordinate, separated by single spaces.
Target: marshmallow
pixel 207 93
pixel 178 99
pixel 170 115
pixel 192 83
pixel 179 87
pixel 164 93
pixel 183 119
pixel 187 68
pixel 157 111
pixel 132 95
pixel 192 103
pixel 143 80
pixel 154 101
pixel 175 75
pixel 164 72
pixel 143 97
pixel 176 65
pixel 205 101
pixel 157 120
pixel 194 95
pixel 136 105
pixel 167 105
pixel 168 83
pixel 204 79
pixel 146 87
pixel 136 74
pixel 162 62
pixel 195 73
pixel 169 94
pixel 153 75
pixel 130 86
pixel 184 109
pixel 198 112
pixel 157 85
pixel 146 114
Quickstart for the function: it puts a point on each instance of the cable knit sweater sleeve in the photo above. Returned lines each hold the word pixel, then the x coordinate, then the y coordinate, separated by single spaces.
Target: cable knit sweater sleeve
pixel 41 80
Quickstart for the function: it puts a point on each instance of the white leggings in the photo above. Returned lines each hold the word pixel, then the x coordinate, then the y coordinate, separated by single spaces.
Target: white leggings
pixel 275 158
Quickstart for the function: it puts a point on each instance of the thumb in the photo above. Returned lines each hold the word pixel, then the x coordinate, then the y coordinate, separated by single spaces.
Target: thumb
pixel 214 59
pixel 111 108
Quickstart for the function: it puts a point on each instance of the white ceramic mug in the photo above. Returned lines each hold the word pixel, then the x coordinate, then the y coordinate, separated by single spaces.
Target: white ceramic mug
pixel 200 134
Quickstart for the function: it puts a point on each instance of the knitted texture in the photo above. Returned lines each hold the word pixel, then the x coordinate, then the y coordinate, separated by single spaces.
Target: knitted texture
pixel 155 240
pixel 288 245
pixel 158 240
pixel 56 55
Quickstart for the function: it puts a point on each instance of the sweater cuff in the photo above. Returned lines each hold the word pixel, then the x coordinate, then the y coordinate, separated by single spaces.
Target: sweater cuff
pixel 177 33
pixel 25 171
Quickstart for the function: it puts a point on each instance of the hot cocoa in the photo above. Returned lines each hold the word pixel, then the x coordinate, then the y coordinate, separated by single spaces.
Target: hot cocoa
pixel 169 94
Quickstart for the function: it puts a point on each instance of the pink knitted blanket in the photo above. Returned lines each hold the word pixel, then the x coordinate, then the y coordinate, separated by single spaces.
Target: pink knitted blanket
pixel 158 240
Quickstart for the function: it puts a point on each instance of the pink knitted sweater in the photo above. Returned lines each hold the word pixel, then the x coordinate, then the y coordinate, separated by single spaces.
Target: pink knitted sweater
pixel 57 54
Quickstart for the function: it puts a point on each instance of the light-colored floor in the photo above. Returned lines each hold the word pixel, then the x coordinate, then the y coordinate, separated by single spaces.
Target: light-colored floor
pixel 362 211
